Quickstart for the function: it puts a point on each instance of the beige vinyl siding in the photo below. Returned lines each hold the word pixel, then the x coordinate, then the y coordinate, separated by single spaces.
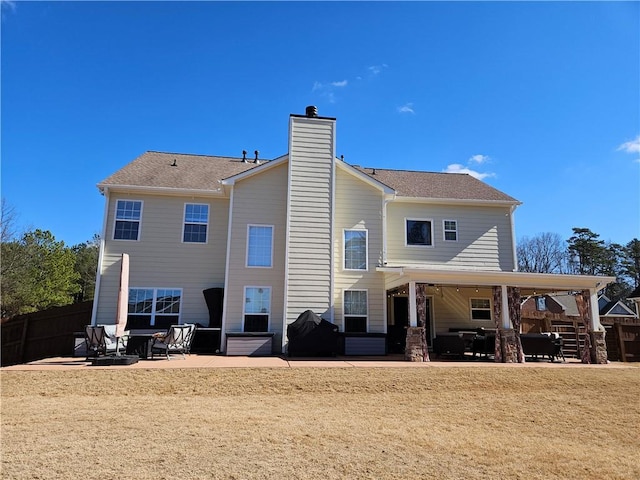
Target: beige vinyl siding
pixel 160 259
pixel 311 164
pixel 484 237
pixel 257 200
pixel 359 206
pixel 451 307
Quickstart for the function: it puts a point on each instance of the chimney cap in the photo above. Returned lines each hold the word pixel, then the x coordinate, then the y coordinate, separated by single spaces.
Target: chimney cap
pixel 311 111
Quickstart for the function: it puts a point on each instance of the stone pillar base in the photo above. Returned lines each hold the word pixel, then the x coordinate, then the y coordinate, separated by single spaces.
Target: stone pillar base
pixel 598 348
pixel 509 346
pixel 416 347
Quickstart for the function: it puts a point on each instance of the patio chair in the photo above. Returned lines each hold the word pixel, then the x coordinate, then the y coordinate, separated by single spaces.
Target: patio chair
pixel 174 341
pixel 190 335
pixel 101 340
pixel 96 340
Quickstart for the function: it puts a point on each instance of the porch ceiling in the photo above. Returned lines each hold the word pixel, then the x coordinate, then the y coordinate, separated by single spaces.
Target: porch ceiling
pixel 395 276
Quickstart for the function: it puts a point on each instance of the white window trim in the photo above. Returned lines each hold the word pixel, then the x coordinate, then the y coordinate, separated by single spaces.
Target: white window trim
pixel 406 240
pixel 366 248
pixel 184 223
pixel 345 315
pixel 153 304
pixel 246 257
pixel 244 304
pixel 115 220
pixel 471 309
pixel 444 230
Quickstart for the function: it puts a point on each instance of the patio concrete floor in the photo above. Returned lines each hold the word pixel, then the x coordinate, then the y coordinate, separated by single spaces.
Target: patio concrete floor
pixel 223 361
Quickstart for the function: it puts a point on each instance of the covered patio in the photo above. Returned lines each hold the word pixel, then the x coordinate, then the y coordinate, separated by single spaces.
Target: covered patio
pixel 426 302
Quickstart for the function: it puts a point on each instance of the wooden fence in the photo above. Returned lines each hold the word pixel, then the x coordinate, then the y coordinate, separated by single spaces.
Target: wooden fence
pixel 49 333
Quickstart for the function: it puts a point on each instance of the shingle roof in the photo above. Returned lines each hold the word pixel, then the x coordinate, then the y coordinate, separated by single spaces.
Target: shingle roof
pixel 191 172
pixel 203 172
pixel 455 186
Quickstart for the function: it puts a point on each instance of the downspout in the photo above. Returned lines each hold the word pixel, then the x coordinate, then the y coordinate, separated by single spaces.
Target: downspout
pixel 513 238
pixel 96 293
pixel 226 274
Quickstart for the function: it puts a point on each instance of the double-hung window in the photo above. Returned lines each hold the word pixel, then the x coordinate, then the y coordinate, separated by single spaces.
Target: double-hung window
pixel 355 249
pixel 260 246
pixel 480 309
pixel 450 229
pixel 257 309
pixel 419 232
pixel 355 310
pixel 196 222
pixel 127 222
pixel 153 307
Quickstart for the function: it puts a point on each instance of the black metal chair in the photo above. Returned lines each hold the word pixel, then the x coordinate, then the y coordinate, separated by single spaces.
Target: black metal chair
pixel 176 340
pixel 96 340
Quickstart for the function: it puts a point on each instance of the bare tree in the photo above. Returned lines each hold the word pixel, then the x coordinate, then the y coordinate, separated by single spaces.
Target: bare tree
pixel 8 229
pixel 544 253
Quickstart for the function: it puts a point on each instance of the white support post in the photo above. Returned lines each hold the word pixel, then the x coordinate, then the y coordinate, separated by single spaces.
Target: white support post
pixel 596 326
pixel 413 312
pixel 504 311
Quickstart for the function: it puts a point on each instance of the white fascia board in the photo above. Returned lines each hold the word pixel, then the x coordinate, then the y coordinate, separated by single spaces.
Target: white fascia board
pixel 624 307
pixel 230 181
pixel 457 201
pixel 179 192
pixel 513 279
pixel 365 178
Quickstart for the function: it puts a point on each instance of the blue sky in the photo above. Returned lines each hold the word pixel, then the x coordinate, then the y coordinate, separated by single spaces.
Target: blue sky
pixel 541 100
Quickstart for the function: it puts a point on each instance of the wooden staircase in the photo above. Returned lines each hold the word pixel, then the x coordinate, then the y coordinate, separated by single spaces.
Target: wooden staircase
pixel 573 337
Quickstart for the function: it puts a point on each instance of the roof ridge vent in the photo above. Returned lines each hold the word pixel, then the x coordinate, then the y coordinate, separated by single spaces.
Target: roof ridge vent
pixel 256 161
pixel 244 156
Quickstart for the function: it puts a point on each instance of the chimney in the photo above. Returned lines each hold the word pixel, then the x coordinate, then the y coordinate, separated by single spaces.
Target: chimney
pixel 256 160
pixel 311 111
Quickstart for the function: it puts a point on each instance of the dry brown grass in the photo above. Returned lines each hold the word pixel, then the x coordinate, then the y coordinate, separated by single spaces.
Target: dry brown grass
pixel 353 423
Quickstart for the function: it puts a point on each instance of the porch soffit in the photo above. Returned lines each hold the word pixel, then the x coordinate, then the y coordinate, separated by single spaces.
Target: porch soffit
pixel 541 281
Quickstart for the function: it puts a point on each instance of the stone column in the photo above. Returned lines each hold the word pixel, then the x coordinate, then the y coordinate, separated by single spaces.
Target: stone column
pixel 582 302
pixel 417 350
pixel 514 313
pixel 509 345
pixel 598 348
pixel 414 350
pixel 497 318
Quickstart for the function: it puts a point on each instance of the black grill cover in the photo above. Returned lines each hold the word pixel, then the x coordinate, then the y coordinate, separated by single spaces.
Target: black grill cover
pixel 311 335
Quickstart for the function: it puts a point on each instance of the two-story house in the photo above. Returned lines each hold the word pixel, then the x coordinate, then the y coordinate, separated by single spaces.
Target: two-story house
pixel 371 250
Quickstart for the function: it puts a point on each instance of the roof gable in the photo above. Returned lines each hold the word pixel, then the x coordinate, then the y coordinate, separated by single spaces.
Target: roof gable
pixel 437 186
pixel 177 171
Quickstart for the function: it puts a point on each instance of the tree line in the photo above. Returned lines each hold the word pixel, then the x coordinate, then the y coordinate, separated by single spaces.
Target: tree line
pixel 584 253
pixel 39 272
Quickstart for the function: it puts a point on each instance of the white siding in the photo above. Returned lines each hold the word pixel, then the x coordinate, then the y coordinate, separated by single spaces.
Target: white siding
pixel 484 237
pixel 260 199
pixel 160 259
pixel 309 235
pixel 359 206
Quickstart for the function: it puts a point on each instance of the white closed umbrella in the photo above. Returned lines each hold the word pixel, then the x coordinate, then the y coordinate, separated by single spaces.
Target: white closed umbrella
pixel 123 300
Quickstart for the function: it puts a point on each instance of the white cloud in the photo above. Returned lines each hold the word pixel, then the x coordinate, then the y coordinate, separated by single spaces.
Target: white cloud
pixel 458 168
pixel 479 159
pixel 632 146
pixel 406 108
pixel 376 69
pixel 342 83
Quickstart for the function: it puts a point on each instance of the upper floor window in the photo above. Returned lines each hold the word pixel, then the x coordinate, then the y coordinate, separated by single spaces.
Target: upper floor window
pixel 355 310
pixel 260 246
pixel 196 222
pixel 355 249
pixel 257 308
pixel 154 307
pixel 419 232
pixel 480 309
pixel 127 224
pixel 450 228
